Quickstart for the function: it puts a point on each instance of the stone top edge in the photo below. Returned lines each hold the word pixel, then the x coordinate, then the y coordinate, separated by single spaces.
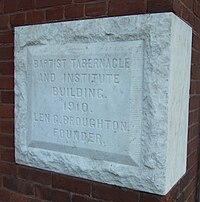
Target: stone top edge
pixel 170 14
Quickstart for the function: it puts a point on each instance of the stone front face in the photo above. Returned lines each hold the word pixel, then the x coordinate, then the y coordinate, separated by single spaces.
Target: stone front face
pixel 98 99
pixel 83 95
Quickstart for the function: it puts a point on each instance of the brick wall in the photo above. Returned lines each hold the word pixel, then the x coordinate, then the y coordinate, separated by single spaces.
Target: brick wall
pixel 24 184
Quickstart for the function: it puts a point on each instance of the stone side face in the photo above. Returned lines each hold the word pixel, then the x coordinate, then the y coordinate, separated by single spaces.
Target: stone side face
pixel 22 183
pixel 178 100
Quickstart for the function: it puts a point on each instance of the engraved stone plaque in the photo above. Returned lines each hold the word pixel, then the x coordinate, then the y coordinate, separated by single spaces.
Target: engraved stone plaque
pixel 100 99
pixel 80 104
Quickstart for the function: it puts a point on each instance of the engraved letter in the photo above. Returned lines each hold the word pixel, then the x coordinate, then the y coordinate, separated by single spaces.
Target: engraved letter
pixel 55 119
pixel 100 93
pixel 55 91
pixel 73 62
pixel 36 63
pixel 114 63
pixel 116 78
pixel 127 62
pixel 55 132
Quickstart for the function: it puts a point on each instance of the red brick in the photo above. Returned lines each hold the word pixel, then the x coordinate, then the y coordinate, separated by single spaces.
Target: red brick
pixel 4 22
pixel 6 126
pixel 34 175
pixel 77 198
pixel 7 97
pixel 197 8
pixel 61 196
pixel 197 25
pixel 192 146
pixel 1 6
pixel 184 181
pixel 43 193
pixel 112 193
pixel 6 37
pixel 194 102
pixel 8 154
pixel 191 118
pixel 159 6
pixel 55 13
pixel 195 57
pixel 193 85
pixel 17 19
pixel 7 67
pixel 195 73
pixel 196 129
pixel 6 82
pixel 74 11
pixel 190 188
pixel 25 4
pixel 192 197
pixel 71 184
pixel 34 200
pixel 47 3
pixel 126 7
pixel 197 90
pixel 196 113
pixel 17 185
pixel 1 182
pixel 150 198
pixel 4 195
pixel 46 193
pixel 180 198
pixel 187 15
pixel 6 140
pixel 6 111
pixel 35 17
pixel 192 159
pixel 192 173
pixel 10 5
pixel 193 132
pixel 17 197
pixel 6 53
pixel 84 1
pixel 173 194
pixel 7 168
pixel 95 9
pixel 16 5
pixel 126 195
pixel 177 6
pixel 188 3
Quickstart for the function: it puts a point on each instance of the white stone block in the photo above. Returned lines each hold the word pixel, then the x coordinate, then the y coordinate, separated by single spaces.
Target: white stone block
pixel 105 99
